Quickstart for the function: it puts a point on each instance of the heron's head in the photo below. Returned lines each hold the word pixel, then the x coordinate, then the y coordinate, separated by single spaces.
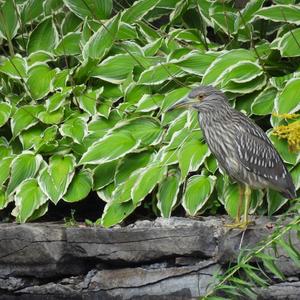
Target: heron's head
pixel 201 96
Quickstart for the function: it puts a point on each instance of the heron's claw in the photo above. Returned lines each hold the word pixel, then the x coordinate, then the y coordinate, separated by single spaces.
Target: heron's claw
pixel 239 225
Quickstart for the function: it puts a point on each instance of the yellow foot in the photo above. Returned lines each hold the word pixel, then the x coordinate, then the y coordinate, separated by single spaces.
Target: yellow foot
pixel 240 225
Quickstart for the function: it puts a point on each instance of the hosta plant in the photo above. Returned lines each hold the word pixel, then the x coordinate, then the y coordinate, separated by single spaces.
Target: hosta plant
pixel 85 91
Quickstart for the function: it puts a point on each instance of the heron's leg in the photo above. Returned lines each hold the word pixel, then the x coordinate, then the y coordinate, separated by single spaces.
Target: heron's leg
pixel 242 224
pixel 237 221
pixel 238 214
pixel 247 204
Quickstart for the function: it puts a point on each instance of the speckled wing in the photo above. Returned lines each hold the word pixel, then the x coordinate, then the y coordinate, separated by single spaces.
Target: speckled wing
pixel 258 155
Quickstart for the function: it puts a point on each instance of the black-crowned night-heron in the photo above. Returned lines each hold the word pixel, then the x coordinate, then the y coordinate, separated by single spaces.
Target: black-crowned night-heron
pixel 242 148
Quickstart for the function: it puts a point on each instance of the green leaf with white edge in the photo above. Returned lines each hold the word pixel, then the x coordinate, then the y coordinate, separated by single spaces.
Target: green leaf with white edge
pixel 5 164
pixel 280 82
pixel 38 213
pixel 104 108
pixel 24 118
pixel 127 32
pixel 55 179
pixel 167 194
pixel 288 101
pixel 241 72
pixel 122 193
pixel 102 40
pixel 31 10
pixel 75 128
pixel 130 163
pixel 145 129
pixel 31 137
pixel 61 78
pixel 57 100
pixel 104 174
pixel 177 124
pixel 146 182
pixel 43 37
pixel 23 166
pixel 152 48
pixel 211 164
pixel 179 137
pixel 149 103
pixel 138 10
pixel 38 57
pixel 105 194
pixel 191 156
pixel 110 147
pixel 114 69
pixel 282 147
pixel 247 13
pixel 5 148
pixel 15 67
pixel 102 125
pixel 198 191
pixel 231 196
pixel 9 24
pixel 54 117
pixel 167 157
pixel 229 58
pixel 94 9
pixel 42 74
pixel 173 97
pixel 263 104
pixel 196 62
pixel 69 44
pixel 247 87
pixel 4 199
pixel 225 21
pixel 47 136
pixel 115 213
pixel 275 201
pixel 71 22
pixel 88 101
pixel 134 92
pixel 52 6
pixel 280 13
pixel 160 73
pixel 5 110
pixel 28 198
pixel 79 187
pixel 289 44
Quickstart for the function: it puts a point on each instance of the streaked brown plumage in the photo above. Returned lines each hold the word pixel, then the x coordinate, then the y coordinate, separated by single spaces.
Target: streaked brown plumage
pixel 241 147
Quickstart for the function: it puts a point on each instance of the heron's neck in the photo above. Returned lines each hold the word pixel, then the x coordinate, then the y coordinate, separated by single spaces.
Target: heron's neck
pixel 214 112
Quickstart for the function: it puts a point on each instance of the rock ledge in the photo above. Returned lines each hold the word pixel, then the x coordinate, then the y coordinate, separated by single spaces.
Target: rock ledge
pixel 161 259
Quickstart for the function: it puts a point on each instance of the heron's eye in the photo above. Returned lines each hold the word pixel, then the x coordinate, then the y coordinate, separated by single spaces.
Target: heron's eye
pixel 200 97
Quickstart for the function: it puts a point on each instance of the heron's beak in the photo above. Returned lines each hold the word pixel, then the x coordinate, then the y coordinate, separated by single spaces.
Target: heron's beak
pixel 185 102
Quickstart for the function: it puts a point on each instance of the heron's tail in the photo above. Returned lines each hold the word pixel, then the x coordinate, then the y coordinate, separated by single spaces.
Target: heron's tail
pixel 289 193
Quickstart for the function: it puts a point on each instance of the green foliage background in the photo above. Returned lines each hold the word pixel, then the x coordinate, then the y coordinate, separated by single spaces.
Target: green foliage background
pixel 85 89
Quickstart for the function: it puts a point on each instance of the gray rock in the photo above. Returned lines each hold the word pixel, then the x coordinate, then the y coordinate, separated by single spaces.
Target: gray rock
pixel 146 241
pixel 162 259
pixel 280 291
pixel 132 283
pixel 47 250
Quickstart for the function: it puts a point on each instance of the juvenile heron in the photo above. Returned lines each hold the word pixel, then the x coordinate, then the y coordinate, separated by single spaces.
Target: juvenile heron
pixel 242 148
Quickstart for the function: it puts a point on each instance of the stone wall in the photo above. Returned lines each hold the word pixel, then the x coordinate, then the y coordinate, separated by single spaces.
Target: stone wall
pixel 162 259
